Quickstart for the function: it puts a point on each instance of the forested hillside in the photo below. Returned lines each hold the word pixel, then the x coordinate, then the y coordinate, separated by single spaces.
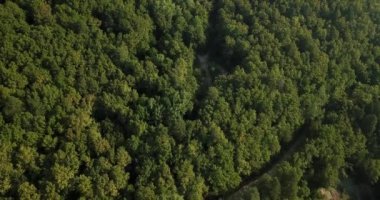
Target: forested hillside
pixel 189 99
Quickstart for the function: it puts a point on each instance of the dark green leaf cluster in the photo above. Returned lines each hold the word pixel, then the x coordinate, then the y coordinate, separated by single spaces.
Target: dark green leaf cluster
pixel 193 99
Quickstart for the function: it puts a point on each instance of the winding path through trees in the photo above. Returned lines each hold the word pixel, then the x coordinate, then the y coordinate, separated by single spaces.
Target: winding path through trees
pixel 287 151
pixel 284 154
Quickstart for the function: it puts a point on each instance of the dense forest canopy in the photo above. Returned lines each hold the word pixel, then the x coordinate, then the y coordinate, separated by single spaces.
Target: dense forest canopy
pixel 174 99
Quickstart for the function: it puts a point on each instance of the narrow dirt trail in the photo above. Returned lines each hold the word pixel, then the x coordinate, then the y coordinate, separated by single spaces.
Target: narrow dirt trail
pixel 300 135
pixel 204 64
pixel 285 154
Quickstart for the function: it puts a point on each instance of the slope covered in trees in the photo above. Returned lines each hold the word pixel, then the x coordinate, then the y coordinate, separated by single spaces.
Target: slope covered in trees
pixel 174 99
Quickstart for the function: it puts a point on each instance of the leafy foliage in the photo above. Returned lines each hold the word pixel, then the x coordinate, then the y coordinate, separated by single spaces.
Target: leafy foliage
pixel 112 99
